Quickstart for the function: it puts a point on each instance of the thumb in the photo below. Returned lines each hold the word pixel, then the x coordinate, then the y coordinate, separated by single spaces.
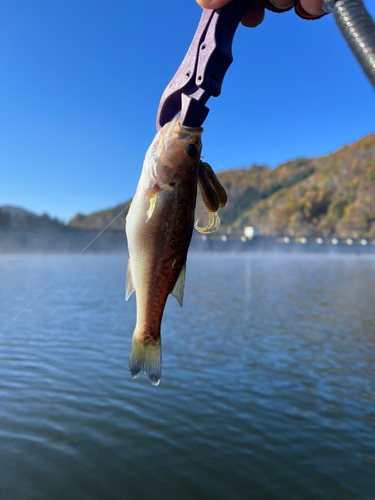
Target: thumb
pixel 212 4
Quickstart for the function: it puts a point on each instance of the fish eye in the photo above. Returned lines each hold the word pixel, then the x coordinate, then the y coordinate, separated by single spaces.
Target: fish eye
pixel 192 150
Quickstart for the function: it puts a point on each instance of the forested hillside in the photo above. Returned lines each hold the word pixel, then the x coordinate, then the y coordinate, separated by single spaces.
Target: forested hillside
pixel 326 195
pixel 98 220
pixel 332 194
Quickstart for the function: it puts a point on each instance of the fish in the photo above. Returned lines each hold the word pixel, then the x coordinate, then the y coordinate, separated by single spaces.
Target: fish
pixel 159 228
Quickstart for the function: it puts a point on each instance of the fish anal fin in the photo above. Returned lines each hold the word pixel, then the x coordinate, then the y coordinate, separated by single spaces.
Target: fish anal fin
pixel 145 357
pixel 129 287
pixel 178 290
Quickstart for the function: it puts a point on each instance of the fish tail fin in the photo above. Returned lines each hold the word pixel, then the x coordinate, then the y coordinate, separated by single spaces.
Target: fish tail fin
pixel 145 357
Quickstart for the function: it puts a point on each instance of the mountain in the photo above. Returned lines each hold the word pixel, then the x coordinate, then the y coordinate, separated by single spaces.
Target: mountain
pixel 327 195
pixel 23 231
pixel 18 219
pixel 16 211
pixel 98 220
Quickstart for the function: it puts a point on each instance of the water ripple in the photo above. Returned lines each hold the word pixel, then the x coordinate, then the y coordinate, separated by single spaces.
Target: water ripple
pixel 267 389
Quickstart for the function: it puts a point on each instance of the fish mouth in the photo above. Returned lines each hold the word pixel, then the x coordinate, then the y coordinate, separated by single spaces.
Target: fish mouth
pixel 191 130
pixel 183 131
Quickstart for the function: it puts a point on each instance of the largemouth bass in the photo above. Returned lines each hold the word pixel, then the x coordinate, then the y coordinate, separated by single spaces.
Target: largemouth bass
pixel 159 227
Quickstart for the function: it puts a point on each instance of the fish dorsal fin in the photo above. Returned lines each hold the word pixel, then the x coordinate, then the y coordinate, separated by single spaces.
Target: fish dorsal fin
pixel 178 290
pixel 129 287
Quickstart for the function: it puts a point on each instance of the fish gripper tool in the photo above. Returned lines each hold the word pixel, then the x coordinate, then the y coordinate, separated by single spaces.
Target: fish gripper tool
pixel 202 71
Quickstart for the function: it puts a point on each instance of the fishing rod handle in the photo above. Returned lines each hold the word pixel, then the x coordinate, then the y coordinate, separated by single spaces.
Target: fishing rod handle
pixel 358 28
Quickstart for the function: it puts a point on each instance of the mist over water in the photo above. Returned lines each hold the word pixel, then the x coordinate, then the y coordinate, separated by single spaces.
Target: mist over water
pixel 267 389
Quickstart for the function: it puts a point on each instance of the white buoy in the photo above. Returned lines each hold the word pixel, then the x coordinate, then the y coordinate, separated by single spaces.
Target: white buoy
pixel 303 240
pixel 286 239
pixel 243 239
pixel 334 241
pixel 250 232
pixel 204 237
pixel 363 241
pixel 349 241
pixel 319 241
pixel 224 238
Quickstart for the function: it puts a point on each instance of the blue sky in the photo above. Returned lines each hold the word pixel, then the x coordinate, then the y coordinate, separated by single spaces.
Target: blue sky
pixel 82 79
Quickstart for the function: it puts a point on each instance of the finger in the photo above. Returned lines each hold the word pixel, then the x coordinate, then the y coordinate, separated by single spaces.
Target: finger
pixel 314 7
pixel 254 16
pixel 212 4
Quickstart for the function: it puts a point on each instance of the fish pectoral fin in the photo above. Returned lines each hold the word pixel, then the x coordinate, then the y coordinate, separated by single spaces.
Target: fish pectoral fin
pixel 129 287
pixel 178 290
pixel 152 193
pixel 145 357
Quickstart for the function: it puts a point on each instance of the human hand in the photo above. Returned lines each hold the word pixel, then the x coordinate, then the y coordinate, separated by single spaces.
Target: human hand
pixel 255 15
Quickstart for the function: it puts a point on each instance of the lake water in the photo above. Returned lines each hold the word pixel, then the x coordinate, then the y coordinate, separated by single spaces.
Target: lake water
pixel 267 389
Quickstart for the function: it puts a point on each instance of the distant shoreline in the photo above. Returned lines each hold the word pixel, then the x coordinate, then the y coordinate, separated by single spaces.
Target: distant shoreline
pixel 31 242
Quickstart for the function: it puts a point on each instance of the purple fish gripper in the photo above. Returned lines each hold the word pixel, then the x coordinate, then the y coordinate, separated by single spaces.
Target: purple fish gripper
pixel 202 71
